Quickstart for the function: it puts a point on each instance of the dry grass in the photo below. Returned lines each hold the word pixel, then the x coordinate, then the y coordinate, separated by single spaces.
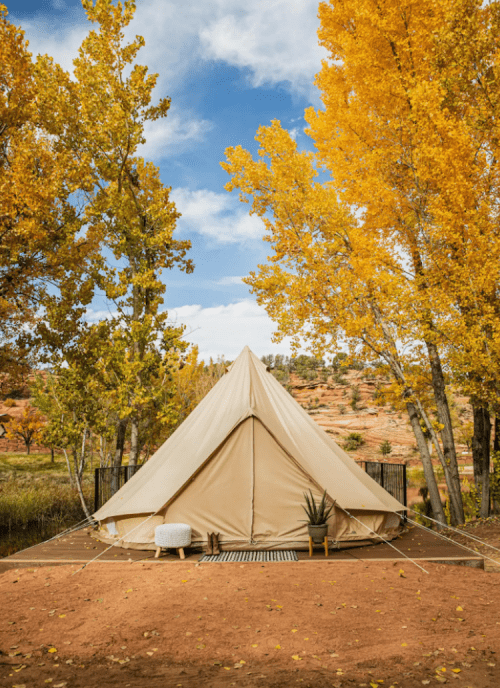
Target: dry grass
pixel 36 500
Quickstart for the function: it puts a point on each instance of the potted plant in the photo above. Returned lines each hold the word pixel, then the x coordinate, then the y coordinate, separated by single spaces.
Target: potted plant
pixel 317 516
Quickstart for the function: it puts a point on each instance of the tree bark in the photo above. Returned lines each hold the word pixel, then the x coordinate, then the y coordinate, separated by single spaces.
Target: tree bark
pixel 121 429
pixel 430 478
pixel 496 440
pixel 450 467
pixel 481 455
pixel 78 484
pixel 134 443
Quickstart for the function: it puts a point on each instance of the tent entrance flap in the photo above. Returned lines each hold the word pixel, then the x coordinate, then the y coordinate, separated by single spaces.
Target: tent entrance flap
pixel 220 499
pixel 279 491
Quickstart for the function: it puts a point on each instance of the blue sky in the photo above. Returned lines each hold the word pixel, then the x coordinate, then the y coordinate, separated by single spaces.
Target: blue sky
pixel 229 67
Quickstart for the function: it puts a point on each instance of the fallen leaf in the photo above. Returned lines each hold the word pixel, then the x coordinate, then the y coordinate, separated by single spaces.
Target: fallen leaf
pixel 62 616
pixel 296 657
pixel 255 645
pixel 52 650
pixel 459 609
pixel 456 670
pixel 278 647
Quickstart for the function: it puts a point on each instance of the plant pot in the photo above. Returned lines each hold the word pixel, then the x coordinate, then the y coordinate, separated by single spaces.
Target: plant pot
pixel 318 533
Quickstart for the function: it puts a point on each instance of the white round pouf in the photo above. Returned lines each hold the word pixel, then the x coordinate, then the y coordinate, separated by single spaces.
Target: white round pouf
pixel 169 535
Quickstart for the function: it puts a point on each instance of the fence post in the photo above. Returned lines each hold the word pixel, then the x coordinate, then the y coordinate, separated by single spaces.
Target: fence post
pixel 405 518
pixel 96 489
pixel 382 475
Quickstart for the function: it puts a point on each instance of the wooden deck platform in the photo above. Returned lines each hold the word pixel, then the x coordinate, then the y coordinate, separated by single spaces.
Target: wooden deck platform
pixel 80 547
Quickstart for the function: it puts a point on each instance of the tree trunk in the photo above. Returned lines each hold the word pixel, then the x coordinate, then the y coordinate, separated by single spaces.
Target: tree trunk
pixel 121 429
pixel 481 455
pixel 496 440
pixel 28 448
pixel 452 474
pixel 71 480
pixel 134 443
pixel 78 483
pixel 430 478
pixel 52 455
pixel 81 467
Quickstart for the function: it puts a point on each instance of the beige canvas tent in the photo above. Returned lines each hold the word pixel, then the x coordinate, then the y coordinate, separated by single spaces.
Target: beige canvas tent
pixel 238 466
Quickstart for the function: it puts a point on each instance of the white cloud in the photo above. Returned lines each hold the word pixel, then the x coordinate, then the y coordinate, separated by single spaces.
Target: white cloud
pixel 229 280
pixel 94 316
pixel 225 330
pixel 176 132
pixel 216 216
pixel 275 39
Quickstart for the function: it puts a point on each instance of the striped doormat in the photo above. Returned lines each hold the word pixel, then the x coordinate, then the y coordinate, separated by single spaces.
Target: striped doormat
pixel 285 555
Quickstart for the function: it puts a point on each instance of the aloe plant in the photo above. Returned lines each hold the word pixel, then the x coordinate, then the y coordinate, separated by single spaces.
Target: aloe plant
pixel 317 515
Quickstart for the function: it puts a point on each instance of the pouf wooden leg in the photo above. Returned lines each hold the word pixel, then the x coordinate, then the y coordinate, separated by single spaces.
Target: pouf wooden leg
pixel 157 554
pixel 326 546
pixel 310 546
pixel 180 551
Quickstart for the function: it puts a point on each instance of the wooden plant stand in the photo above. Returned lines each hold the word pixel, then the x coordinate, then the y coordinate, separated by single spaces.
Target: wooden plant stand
pixel 323 544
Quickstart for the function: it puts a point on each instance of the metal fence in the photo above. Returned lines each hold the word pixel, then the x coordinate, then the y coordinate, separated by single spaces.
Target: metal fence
pixel 390 476
pixel 109 480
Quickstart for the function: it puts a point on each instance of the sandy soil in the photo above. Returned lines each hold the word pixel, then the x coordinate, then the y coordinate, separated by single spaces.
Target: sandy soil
pixel 308 623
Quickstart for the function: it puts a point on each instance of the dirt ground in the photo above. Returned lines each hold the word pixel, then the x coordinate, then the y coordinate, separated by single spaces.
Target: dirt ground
pixel 232 624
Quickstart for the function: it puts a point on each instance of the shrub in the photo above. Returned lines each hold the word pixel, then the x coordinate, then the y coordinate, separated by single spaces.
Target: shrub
pixel 385 448
pixel 355 397
pixel 281 375
pixel 353 441
pixel 10 403
pixel 342 409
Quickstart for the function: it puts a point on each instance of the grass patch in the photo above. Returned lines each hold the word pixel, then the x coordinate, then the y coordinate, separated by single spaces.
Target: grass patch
pixel 36 500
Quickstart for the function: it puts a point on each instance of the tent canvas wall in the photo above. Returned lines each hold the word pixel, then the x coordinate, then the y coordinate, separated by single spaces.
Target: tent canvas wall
pixel 239 465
